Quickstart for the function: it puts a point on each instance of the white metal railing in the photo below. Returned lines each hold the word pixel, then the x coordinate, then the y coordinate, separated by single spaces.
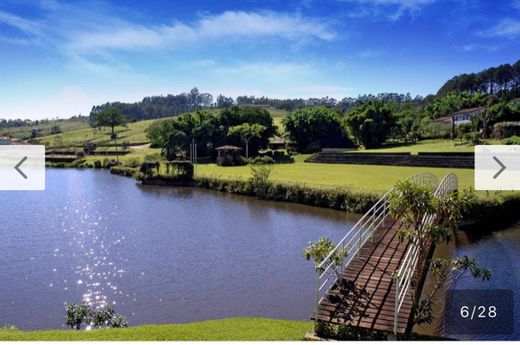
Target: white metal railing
pixel 405 272
pixel 329 270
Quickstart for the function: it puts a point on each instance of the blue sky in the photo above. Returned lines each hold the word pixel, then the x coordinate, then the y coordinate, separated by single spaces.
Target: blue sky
pixel 59 58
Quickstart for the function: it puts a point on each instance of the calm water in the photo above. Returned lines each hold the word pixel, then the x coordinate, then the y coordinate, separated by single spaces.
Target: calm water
pixel 501 253
pixel 162 255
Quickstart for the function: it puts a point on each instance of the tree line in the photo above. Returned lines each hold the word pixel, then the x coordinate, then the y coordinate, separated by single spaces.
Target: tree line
pixel 172 105
pixel 502 79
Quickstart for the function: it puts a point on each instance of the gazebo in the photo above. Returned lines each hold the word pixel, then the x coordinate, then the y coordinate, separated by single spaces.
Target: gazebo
pixel 227 154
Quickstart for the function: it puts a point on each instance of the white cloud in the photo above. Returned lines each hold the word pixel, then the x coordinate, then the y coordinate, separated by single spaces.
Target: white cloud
pixel 506 28
pixel 227 25
pixel 389 9
pixel 369 53
pixel 93 43
pixel 477 46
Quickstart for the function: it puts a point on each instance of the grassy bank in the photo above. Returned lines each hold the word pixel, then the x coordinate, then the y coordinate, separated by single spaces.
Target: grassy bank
pixel 225 329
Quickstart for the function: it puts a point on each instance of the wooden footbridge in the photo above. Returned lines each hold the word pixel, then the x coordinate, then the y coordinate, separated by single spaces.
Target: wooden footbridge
pixel 373 287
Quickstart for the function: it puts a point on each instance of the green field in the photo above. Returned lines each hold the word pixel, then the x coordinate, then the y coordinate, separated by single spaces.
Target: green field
pixel 225 329
pixel 374 178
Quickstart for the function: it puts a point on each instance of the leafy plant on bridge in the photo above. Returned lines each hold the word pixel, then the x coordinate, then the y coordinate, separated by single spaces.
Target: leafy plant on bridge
pixel 318 251
pixel 412 204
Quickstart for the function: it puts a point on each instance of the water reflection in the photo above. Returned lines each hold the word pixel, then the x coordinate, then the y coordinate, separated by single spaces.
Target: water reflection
pixel 162 255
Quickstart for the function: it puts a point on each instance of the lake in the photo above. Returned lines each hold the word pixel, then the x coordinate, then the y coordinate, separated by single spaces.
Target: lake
pixel 161 255
pixel 500 252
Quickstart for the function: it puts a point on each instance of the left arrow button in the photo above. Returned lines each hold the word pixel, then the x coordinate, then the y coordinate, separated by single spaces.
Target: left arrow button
pixel 17 167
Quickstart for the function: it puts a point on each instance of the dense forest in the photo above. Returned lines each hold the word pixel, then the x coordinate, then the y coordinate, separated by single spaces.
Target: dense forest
pixel 502 79
pixel 172 105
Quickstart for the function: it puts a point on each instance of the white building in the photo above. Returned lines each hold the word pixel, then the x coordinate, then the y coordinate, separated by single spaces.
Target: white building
pixel 465 115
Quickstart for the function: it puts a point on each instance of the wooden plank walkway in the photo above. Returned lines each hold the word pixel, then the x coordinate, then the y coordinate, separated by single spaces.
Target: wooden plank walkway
pixel 367 299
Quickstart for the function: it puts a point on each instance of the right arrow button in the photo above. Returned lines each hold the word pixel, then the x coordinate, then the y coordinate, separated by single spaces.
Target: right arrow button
pixel 502 167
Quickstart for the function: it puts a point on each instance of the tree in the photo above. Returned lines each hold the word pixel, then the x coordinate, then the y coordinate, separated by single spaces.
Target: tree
pixel 246 132
pixel 173 145
pixel 76 315
pixel 224 102
pixel 79 314
pixel 370 123
pixel 315 127
pixel 110 117
pixel 56 129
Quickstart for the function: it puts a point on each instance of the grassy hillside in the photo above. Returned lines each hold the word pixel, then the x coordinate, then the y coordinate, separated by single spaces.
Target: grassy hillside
pixel 225 329
pixel 44 128
pixel 133 133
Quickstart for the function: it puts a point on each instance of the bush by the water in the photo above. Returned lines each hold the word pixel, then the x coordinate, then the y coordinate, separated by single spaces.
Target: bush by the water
pixel 337 198
pixel 123 171
pixel 490 213
pixel 78 315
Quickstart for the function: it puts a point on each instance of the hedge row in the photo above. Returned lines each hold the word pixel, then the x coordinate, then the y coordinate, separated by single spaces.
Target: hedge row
pixel 487 215
pixel 123 170
pixel 337 198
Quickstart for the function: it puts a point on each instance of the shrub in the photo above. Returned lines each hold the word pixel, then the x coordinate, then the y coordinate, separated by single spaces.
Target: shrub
pixel 133 162
pixel 123 171
pixel 79 314
pixel 108 163
pixel 514 140
pixel 89 148
pixel 472 137
pixel 182 170
pixel 98 164
pixel 261 160
pixel 338 198
pixel 125 145
pixel 260 179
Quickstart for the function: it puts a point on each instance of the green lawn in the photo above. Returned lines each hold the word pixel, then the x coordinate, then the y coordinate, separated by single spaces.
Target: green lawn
pixel 430 146
pixel 359 177
pixel 225 329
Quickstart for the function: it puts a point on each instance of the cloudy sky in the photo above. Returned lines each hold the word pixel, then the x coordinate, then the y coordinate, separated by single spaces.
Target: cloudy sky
pixel 59 58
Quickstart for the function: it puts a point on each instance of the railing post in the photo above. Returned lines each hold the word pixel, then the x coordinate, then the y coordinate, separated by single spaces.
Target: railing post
pixel 317 297
pixel 396 307
pixel 360 237
pixel 373 224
